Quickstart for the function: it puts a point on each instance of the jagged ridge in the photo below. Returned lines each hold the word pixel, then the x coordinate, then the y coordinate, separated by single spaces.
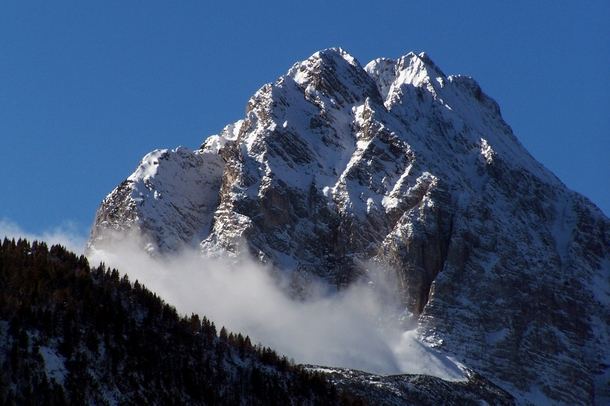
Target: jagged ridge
pixel 336 164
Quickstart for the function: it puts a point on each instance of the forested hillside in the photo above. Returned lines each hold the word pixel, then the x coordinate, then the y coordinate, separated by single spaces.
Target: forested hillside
pixel 76 334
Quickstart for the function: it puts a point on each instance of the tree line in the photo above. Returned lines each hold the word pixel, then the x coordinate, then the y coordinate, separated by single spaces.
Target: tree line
pixel 118 342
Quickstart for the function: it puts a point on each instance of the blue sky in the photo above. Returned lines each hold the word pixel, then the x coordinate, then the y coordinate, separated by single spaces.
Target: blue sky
pixel 87 89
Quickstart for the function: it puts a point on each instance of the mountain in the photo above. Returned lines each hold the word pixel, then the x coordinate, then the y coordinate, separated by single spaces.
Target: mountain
pixel 335 165
pixel 72 334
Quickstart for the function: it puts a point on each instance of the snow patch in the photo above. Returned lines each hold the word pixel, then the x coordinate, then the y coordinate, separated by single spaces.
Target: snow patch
pixel 416 357
pixel 54 363
pixel 487 152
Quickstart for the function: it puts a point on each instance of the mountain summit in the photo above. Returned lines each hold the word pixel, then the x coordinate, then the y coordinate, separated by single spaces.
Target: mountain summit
pixel 336 164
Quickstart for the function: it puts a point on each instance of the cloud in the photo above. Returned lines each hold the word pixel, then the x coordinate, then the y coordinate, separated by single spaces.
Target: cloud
pixel 66 234
pixel 359 327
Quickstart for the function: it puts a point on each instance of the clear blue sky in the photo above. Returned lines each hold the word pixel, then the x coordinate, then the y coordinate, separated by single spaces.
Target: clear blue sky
pixel 87 88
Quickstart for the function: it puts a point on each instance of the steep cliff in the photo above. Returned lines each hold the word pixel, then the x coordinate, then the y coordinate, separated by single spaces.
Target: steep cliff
pixel 336 164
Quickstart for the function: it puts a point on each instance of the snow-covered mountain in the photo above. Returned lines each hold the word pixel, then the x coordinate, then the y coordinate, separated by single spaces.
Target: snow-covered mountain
pixel 336 164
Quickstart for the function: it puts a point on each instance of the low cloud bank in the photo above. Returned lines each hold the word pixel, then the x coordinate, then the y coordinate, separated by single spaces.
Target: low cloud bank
pixel 358 327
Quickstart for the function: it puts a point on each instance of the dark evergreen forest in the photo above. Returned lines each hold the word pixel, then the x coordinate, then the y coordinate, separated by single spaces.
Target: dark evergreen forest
pixel 120 343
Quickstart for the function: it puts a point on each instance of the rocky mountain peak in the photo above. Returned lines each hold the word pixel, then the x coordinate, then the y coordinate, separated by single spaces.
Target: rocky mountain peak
pixel 334 77
pixel 335 165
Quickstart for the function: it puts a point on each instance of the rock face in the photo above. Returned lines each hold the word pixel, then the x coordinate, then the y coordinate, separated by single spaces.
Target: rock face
pixel 170 199
pixel 335 164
